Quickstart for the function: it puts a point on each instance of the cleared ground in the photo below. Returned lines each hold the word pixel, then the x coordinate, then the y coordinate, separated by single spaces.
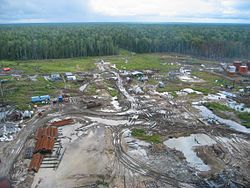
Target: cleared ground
pixel 142 135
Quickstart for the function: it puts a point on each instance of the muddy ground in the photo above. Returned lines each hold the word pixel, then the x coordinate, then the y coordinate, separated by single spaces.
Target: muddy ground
pixel 98 150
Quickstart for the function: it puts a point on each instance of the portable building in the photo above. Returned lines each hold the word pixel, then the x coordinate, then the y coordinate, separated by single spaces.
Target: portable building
pixel 68 74
pixel 55 77
pixel 72 77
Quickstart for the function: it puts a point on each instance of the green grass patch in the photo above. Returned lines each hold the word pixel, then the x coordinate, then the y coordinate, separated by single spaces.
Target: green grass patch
pixel 217 106
pixel 245 118
pixel 141 134
pixel 91 90
pixel 152 81
pixel 205 90
pixel 246 124
pixel 206 76
pixel 174 94
pixel 19 92
pixel 51 66
pixel 172 87
pixel 124 52
pixel 142 62
pixel 212 79
pixel 113 92
pixel 219 110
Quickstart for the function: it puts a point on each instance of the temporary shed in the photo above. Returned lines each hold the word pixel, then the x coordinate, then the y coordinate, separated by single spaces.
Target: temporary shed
pixel 55 77
pixel 68 74
pixel 72 77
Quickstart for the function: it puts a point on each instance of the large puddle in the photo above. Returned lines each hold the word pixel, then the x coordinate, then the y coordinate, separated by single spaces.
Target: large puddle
pixel 82 88
pixel 116 104
pixel 187 145
pixel 240 107
pixel 208 114
pixel 108 121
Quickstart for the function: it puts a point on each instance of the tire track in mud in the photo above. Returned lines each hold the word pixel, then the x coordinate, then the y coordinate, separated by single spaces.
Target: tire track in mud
pixel 138 166
pixel 129 162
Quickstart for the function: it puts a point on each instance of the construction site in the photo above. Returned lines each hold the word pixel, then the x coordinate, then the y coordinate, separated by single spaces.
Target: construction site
pixel 181 125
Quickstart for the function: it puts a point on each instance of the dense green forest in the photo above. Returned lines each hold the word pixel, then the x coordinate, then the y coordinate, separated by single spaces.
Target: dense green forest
pixel 48 41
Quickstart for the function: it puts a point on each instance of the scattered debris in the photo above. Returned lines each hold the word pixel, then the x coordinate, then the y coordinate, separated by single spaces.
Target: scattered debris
pixel 161 85
pixel 7 131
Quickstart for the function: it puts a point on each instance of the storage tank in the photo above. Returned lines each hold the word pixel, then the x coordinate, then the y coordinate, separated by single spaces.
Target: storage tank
pixel 237 64
pixel 243 69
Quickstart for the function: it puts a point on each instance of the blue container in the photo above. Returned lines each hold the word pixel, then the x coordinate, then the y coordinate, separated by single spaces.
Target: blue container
pixel 40 98
pixel 60 98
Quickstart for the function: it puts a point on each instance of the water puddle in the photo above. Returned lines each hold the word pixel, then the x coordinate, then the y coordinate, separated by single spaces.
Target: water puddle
pixel 189 91
pixel 208 114
pixel 240 107
pixel 116 104
pixel 82 88
pixel 187 145
pixel 188 78
pixel 108 121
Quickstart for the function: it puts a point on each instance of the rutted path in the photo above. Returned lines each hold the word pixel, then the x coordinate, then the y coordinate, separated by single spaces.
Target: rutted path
pixel 128 161
pixel 137 166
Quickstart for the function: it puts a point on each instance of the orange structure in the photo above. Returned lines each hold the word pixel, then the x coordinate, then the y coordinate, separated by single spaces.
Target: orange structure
pixel 243 69
pixel 45 144
pixel 36 162
pixel 50 132
pixel 6 69
pixel 46 139
pixel 237 64
pixel 62 122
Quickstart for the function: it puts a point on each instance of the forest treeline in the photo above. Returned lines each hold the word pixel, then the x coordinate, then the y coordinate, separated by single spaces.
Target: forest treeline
pixel 48 41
